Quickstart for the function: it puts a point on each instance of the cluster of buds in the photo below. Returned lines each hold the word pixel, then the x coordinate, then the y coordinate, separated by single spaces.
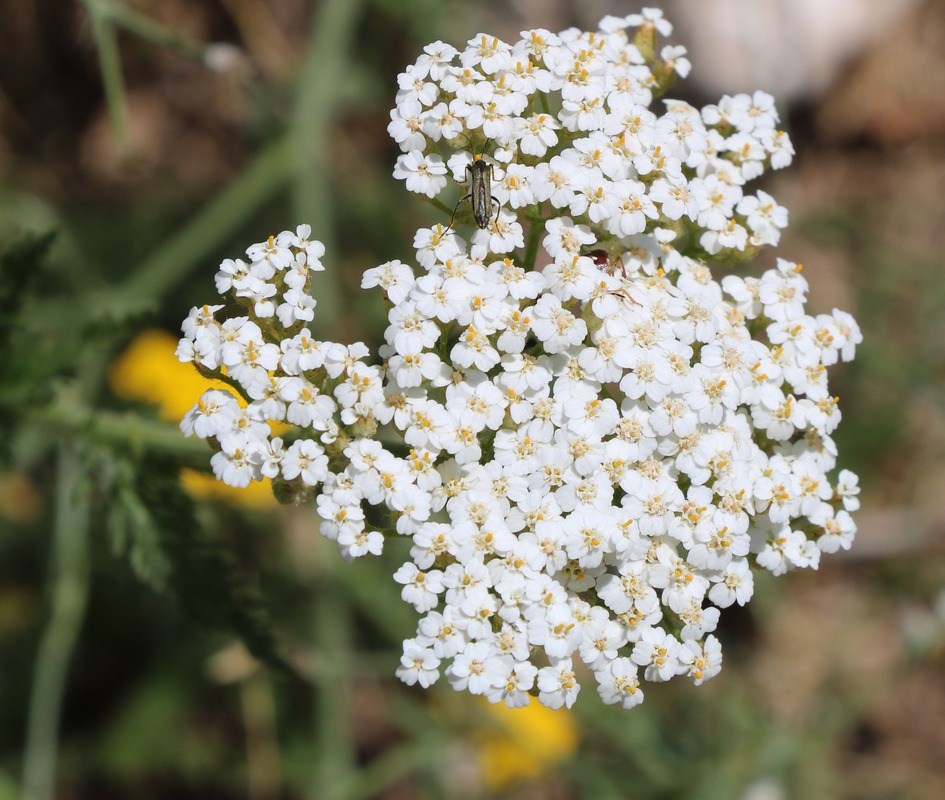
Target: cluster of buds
pixel 589 440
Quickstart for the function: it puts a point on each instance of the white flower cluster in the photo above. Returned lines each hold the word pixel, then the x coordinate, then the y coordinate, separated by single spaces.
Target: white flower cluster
pixel 588 459
pixel 604 155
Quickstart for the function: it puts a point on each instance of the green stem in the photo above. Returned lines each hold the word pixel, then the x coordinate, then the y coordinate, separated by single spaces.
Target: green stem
pixel 321 82
pixel 423 753
pixel 109 60
pixel 70 587
pixel 130 430
pixel 334 751
pixel 437 203
pixel 535 230
pixel 225 215
pixel 157 276
pixel 285 158
pixel 144 27
pixel 263 759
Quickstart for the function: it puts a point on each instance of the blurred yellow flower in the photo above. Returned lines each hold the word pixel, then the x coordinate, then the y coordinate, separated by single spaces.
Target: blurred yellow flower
pixel 201 486
pixel 20 500
pixel 149 372
pixel 525 744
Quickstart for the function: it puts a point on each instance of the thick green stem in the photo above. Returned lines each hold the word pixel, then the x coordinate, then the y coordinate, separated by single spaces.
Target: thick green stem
pixel 131 430
pixel 334 753
pixel 69 578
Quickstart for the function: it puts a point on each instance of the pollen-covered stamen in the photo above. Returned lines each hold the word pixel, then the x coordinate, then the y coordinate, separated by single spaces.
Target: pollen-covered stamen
pixel 722 539
pixel 786 294
pixel 586 492
pixel 809 485
pixel 718 464
pixel 785 411
pixel 526 449
pixel 553 475
pixel 734 502
pixel 564 321
pixel 714 390
pixel 438 233
pixel 695 514
pixel 655 506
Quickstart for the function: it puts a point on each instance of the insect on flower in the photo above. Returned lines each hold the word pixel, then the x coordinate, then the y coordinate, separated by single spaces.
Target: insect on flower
pixel 612 266
pixel 480 191
pixel 605 263
pixel 480 174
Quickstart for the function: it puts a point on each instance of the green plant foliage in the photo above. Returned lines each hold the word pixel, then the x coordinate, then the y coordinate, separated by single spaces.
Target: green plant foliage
pixel 134 531
pixel 22 274
pixel 213 583
pixel 21 268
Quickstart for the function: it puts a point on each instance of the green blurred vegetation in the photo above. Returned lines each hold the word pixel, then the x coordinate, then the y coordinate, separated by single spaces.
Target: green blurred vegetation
pixel 156 647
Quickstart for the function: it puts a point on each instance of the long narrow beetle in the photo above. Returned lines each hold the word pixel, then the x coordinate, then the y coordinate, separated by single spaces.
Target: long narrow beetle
pixel 480 196
pixel 480 190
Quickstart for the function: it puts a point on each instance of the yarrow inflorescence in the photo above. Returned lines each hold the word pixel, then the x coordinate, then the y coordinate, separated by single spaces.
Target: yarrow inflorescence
pixel 590 436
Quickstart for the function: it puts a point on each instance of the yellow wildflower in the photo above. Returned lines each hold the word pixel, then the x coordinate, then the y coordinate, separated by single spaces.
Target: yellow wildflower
pixel 149 372
pixel 525 744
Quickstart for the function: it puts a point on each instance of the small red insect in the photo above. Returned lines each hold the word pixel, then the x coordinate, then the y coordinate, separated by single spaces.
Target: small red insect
pixel 612 266
pixel 604 263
